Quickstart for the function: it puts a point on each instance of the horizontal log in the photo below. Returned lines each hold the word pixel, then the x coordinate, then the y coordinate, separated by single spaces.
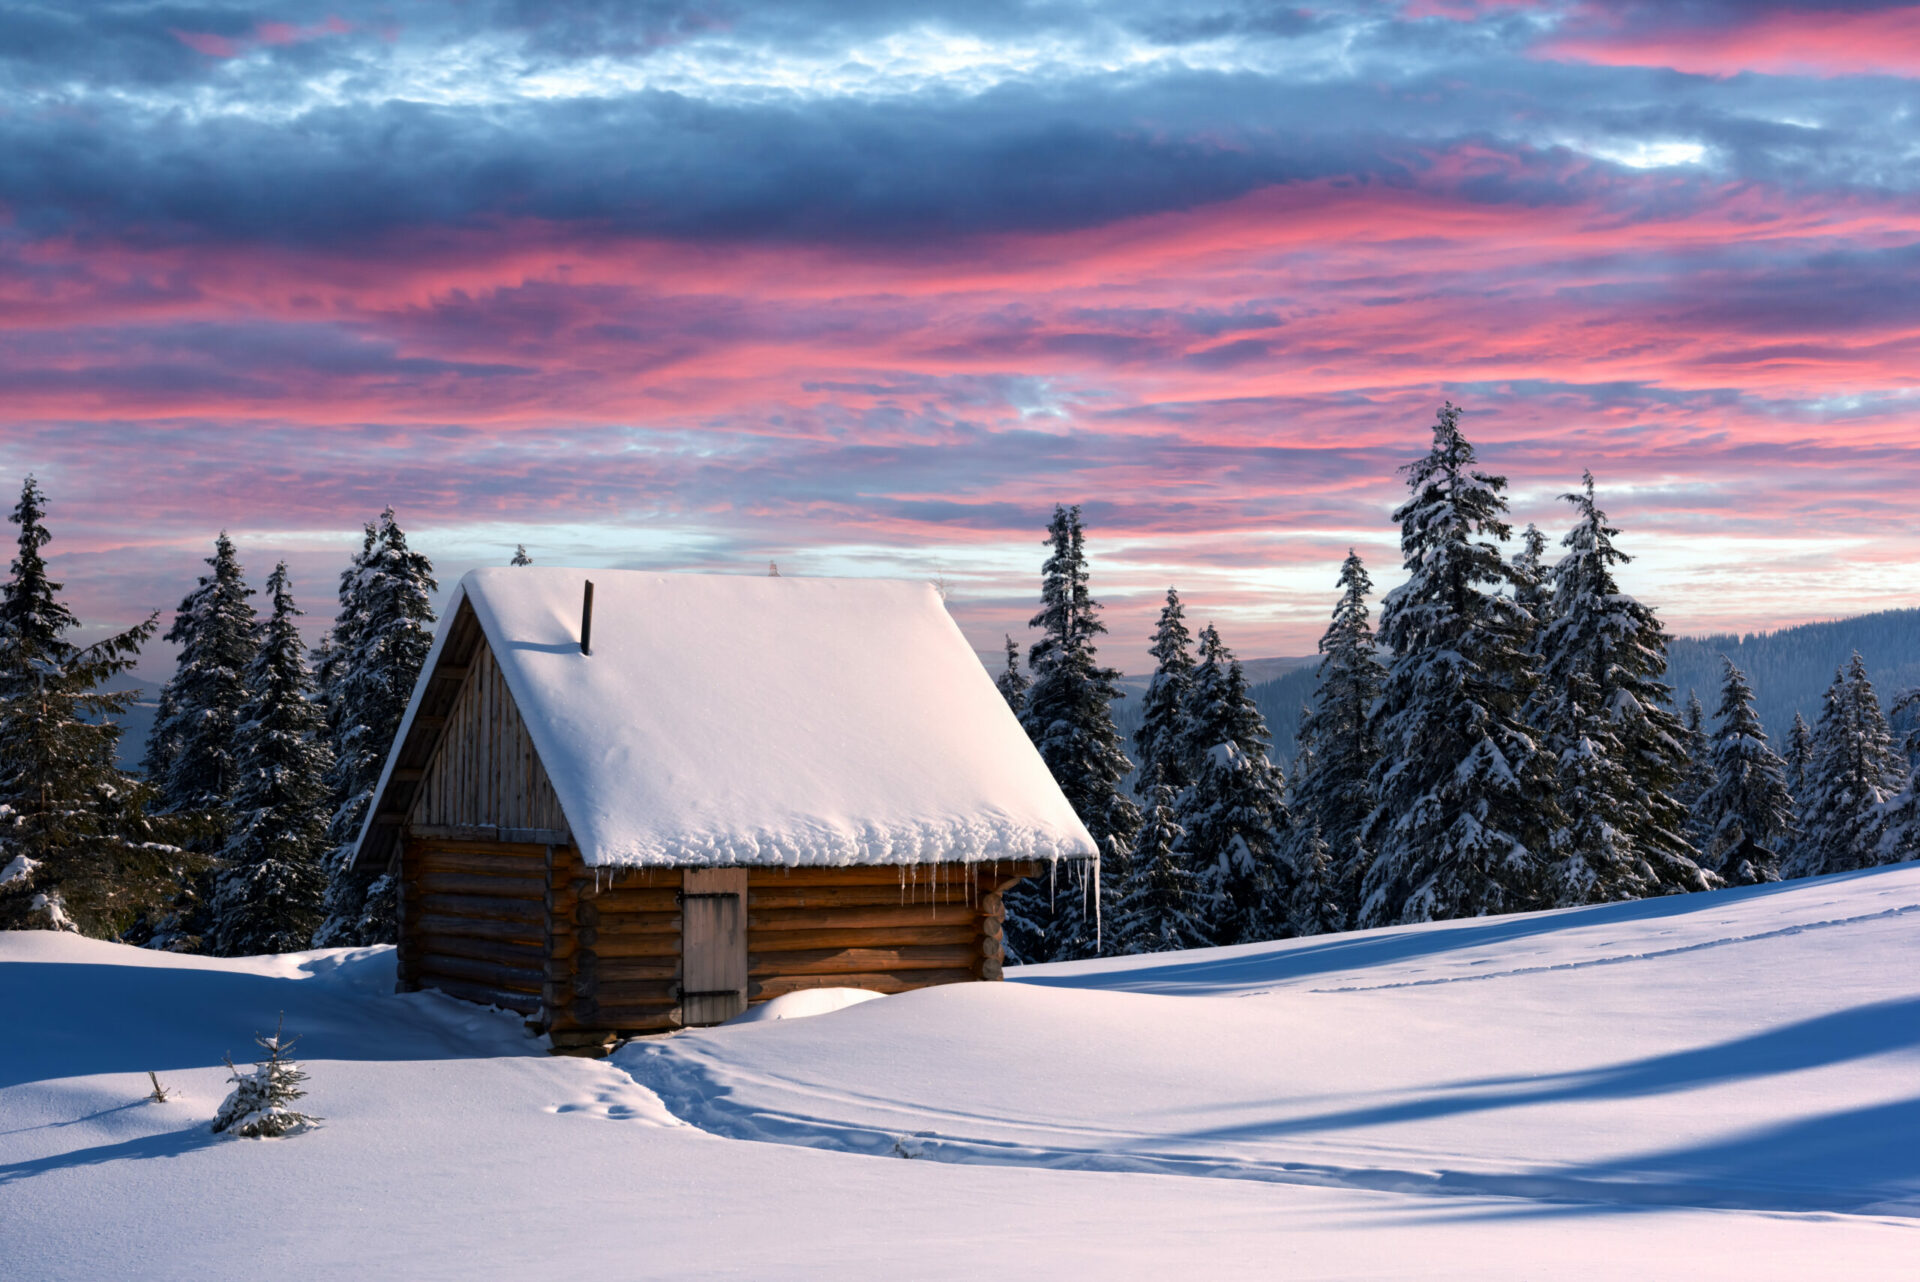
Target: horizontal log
pixel 523 1003
pixel 644 1019
pixel 562 946
pixel 433 881
pixel 475 928
pixel 619 970
pixel 528 956
pixel 990 970
pixel 604 945
pixel 882 937
pixel 835 961
pixel 992 905
pixel 634 998
pixel 769 898
pixel 608 924
pixel 991 950
pixel 623 875
pixel 628 900
pixel 508 849
pixel 991 928
pixel 638 993
pixel 519 979
pixel 873 982
pixel 472 863
pixel 485 907
pixel 824 917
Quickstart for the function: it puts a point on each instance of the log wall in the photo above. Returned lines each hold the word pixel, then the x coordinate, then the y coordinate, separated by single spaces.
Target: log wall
pixel 588 953
pixel 618 967
pixel 474 921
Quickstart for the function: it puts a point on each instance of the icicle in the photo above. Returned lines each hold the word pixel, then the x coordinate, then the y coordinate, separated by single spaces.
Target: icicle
pixel 1096 899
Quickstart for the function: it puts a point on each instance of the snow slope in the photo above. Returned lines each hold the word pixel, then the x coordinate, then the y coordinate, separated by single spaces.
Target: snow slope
pixel 1722 1085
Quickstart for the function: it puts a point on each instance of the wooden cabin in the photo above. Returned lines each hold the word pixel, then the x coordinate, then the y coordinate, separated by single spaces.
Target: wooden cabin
pixel 648 801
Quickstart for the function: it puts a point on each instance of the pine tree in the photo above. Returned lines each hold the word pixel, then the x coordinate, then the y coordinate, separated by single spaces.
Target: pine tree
pixel 1799 756
pixel 1900 835
pixel 1012 682
pixel 1603 657
pixel 1233 810
pixel 1319 900
pixel 1332 789
pixel 1069 717
pixel 1465 808
pixel 1159 743
pixel 258 1107
pixel 190 753
pixel 1153 911
pixel 1533 579
pixel 1855 771
pixel 380 640
pixel 1699 776
pixel 267 894
pixel 78 850
pixel 1594 859
pixel 520 556
pixel 1746 812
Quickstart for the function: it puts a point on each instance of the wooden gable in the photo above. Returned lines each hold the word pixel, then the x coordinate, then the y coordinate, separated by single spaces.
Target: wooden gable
pixel 485 778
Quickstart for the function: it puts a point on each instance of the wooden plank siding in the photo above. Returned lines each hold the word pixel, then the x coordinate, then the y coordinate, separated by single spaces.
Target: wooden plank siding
pixel 486 772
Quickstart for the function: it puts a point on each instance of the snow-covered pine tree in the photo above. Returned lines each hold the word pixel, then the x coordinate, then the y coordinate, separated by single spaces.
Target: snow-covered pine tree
pixel 260 1104
pixel 1699 775
pixel 520 556
pixel 1799 757
pixel 1012 683
pixel 380 639
pixel 1746 813
pixel 1153 912
pixel 1332 790
pixel 268 891
pixel 78 850
pixel 1318 905
pixel 1069 717
pixel 1594 858
pixel 1900 830
pixel 1159 745
pixel 1603 654
pixel 1465 813
pixel 1533 578
pixel 1233 811
pixel 1855 770
pixel 1799 760
pixel 190 753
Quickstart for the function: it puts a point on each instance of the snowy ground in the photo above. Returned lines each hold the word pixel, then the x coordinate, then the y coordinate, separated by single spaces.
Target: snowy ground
pixel 1720 1085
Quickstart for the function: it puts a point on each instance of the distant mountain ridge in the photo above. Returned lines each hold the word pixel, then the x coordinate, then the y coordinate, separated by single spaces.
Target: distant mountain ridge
pixel 1789 668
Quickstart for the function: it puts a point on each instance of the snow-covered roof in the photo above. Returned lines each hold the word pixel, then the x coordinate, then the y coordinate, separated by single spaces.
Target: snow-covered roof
pixel 734 719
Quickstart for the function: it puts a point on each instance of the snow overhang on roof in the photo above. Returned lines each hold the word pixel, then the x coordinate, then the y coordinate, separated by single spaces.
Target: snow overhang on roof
pixel 733 719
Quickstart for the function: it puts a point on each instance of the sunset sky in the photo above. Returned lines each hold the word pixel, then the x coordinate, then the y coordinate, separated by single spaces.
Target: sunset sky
pixel 867 287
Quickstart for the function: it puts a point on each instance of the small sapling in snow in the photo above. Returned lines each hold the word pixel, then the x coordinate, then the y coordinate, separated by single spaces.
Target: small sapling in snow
pixel 160 1093
pixel 259 1108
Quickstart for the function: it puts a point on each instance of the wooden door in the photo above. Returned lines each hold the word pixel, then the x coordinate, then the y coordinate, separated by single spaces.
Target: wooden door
pixel 713 945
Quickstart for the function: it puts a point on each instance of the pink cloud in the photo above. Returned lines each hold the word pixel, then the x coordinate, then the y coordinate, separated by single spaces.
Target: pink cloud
pixel 206 42
pixel 1812 41
pixel 264 33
